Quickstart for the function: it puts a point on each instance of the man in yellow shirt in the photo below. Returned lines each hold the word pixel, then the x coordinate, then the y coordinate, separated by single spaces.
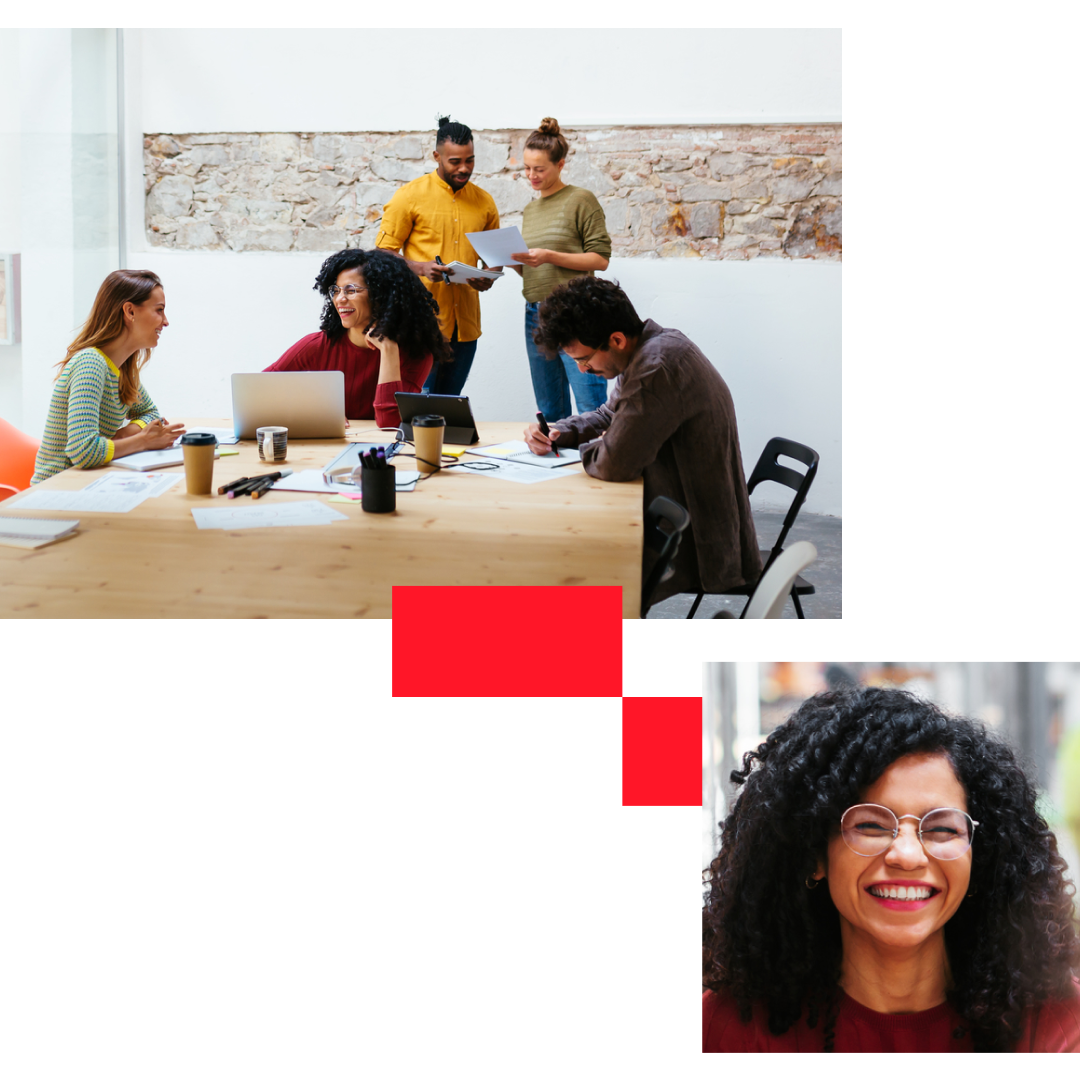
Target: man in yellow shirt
pixel 428 218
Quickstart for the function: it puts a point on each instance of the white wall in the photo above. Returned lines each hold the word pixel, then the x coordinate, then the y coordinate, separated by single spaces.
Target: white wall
pixel 585 77
pixel 771 326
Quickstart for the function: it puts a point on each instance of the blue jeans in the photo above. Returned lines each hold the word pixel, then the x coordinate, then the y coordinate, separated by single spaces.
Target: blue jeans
pixel 553 379
pixel 450 378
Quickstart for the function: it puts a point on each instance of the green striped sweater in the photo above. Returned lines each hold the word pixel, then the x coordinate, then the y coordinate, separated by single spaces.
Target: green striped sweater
pixel 85 412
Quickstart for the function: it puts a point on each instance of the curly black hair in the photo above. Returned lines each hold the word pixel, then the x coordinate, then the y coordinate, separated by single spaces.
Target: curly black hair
pixel 768 939
pixel 585 309
pixel 401 308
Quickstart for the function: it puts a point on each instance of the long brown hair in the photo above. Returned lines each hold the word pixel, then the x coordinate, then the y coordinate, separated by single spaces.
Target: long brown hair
pixel 106 322
pixel 548 138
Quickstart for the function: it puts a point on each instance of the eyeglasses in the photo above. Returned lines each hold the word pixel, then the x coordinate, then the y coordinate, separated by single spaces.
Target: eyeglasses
pixel 348 290
pixel 584 361
pixel 869 829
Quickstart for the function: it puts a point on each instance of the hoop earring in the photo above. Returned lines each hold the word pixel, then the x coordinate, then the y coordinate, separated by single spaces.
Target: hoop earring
pixel 813 883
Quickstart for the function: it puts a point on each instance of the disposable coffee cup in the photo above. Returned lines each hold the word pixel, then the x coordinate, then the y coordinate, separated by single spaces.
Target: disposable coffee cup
pixel 199 447
pixel 273 443
pixel 427 438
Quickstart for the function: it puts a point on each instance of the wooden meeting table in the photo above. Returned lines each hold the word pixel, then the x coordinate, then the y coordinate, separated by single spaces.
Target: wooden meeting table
pixel 453 529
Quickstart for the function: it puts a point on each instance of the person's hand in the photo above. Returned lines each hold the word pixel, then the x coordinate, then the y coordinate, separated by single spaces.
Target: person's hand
pixel 532 257
pixel 374 342
pixel 539 443
pixel 433 270
pixel 481 284
pixel 159 435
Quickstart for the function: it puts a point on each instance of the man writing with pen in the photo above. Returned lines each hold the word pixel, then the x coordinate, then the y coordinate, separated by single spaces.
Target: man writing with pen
pixel 426 221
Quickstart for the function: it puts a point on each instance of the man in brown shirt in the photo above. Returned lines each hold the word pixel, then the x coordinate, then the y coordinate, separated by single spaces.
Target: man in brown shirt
pixel 669 418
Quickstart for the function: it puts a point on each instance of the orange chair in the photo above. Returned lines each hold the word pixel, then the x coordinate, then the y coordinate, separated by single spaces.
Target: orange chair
pixel 18 453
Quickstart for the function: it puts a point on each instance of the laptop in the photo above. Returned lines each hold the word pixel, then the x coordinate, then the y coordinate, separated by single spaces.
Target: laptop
pixel 460 425
pixel 311 404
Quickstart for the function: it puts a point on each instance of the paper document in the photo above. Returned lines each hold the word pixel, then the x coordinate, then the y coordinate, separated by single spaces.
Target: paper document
pixel 495 246
pixel 113 493
pixel 309 512
pixel 516 450
pixel 312 480
pixel 224 435
pixel 516 471
pixel 459 273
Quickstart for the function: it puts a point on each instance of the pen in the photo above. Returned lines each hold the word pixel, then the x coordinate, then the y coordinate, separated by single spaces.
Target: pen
pixel 545 430
pixel 245 487
pixel 261 489
pixel 438 259
pixel 242 489
pixel 235 483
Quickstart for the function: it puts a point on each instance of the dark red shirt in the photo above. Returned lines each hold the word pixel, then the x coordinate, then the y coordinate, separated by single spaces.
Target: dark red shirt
pixel 365 396
pixel 1053 1027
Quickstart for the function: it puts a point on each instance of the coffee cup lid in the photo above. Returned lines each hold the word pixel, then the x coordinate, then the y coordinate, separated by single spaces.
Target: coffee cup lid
pixel 429 421
pixel 198 438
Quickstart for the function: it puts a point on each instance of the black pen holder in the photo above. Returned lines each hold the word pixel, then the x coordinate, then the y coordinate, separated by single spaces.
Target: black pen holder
pixel 378 495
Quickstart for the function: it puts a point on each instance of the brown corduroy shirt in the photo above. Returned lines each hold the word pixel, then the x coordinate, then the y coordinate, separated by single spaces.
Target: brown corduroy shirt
pixel 670 419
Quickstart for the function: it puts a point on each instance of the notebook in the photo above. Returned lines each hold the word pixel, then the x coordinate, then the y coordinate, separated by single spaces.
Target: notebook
pixel 153 459
pixel 33 532
pixel 516 450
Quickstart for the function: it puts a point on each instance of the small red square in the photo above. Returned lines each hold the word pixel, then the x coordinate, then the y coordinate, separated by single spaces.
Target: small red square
pixel 661 751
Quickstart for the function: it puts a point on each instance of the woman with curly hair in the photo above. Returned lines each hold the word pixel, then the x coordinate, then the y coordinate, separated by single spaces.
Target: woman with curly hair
pixel 379 328
pixel 885 883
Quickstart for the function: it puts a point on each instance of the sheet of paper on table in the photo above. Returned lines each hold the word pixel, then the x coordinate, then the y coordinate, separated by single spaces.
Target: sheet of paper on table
pixel 312 480
pixel 516 450
pixel 224 435
pixel 517 472
pixel 309 512
pixel 113 493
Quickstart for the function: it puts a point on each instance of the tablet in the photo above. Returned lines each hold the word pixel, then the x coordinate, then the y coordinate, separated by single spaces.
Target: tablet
pixel 460 425
pixel 311 404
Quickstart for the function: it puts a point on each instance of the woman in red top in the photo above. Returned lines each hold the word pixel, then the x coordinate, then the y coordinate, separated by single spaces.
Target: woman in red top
pixel 885 883
pixel 378 326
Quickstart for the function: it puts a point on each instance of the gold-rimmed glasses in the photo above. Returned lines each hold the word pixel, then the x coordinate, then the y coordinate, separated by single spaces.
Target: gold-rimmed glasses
pixel 945 833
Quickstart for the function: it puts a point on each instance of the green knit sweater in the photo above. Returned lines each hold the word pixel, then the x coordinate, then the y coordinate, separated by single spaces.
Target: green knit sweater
pixel 571 222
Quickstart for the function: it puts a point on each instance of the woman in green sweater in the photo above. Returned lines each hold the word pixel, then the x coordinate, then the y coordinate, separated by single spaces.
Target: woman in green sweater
pixel 567 238
pixel 99 409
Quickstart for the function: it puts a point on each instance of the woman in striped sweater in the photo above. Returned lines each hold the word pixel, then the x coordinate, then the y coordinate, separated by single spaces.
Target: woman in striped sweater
pixel 99 409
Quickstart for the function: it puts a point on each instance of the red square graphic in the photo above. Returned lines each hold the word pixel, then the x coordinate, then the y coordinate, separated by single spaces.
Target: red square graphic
pixel 662 751
pixel 487 641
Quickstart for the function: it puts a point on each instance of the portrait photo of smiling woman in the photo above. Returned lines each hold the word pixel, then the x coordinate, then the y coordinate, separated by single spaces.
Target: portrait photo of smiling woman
pixel 886 883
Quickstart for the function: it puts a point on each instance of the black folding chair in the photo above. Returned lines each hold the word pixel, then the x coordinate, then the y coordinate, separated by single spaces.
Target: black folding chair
pixel 769 468
pixel 664 541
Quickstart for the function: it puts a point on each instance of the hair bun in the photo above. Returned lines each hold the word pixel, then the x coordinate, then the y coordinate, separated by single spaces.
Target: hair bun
pixel 549 125
pixel 443 121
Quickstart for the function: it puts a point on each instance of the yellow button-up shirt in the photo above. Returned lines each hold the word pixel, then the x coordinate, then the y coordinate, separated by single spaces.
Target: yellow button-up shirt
pixel 425 218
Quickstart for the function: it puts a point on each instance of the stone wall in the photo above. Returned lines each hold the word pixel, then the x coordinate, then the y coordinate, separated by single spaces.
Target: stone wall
pixel 736 192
